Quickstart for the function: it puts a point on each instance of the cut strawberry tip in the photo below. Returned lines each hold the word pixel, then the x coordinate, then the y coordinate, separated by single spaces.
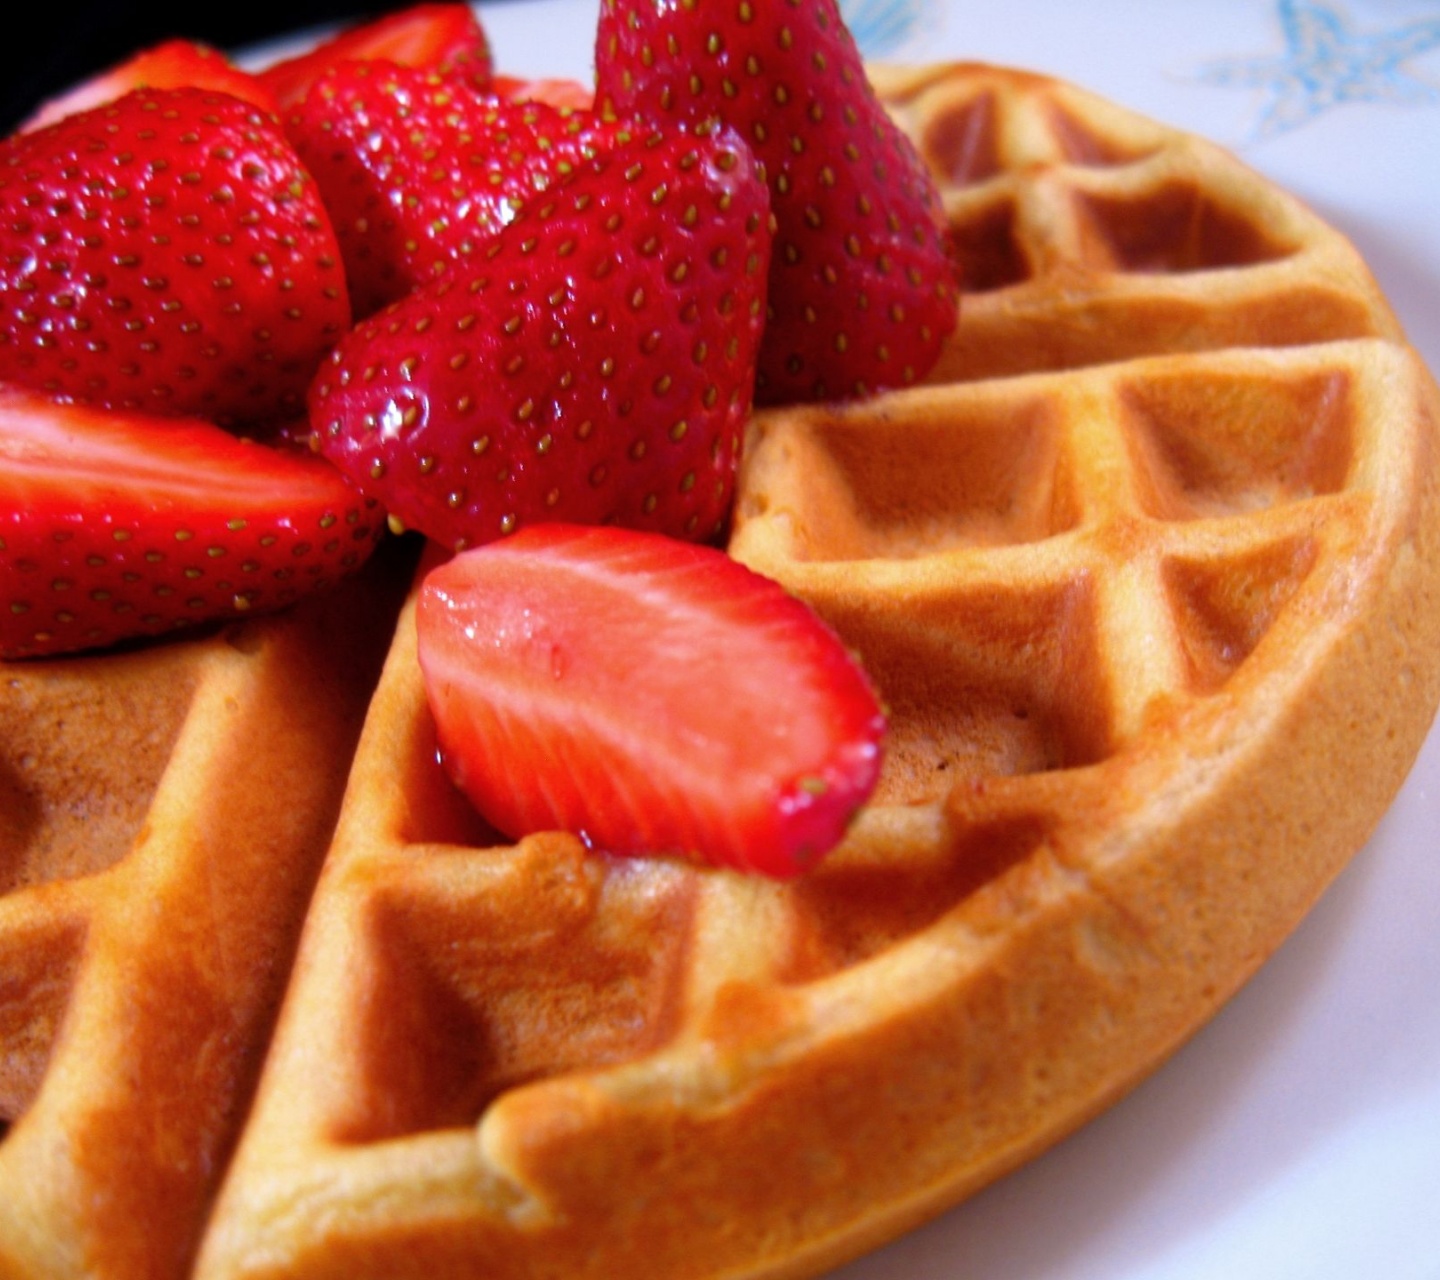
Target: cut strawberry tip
pixel 446 38
pixel 168 65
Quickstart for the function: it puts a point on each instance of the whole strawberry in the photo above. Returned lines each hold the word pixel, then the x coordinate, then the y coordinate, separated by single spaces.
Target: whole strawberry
pixel 115 525
pixel 418 171
pixel 862 290
pixel 596 365
pixel 167 253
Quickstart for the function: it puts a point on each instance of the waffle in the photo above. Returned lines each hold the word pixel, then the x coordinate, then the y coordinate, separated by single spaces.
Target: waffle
pixel 163 815
pixel 1147 576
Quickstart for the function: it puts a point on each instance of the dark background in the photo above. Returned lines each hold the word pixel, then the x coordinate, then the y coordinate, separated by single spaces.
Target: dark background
pixel 71 39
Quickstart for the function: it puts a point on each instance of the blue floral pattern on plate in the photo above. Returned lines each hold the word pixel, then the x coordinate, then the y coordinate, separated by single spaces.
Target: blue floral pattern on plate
pixel 1327 63
pixel 880 27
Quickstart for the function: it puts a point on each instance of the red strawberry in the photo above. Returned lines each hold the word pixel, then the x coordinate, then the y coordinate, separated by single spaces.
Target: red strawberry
pixel 555 92
pixel 172 64
pixel 418 171
pixel 651 695
pixel 861 288
pixel 596 364
pixel 116 525
pixel 444 38
pixel 166 252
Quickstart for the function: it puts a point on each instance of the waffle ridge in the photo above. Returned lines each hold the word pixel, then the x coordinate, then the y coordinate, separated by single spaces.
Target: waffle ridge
pixel 162 830
pixel 1125 569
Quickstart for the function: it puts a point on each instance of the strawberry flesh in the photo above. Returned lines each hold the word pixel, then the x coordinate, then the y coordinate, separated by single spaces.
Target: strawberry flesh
pixel 596 364
pixel 418 171
pixel 555 91
pixel 649 695
pixel 116 525
pixel 171 64
pixel 444 38
pixel 166 253
pixel 862 288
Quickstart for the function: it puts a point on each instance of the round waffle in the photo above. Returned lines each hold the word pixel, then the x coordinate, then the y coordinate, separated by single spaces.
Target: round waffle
pixel 1148 576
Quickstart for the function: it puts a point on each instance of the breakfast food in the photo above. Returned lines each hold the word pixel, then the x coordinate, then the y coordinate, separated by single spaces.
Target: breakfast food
pixel 123 525
pixel 862 290
pixel 368 131
pixel 1146 575
pixel 166 253
pixel 614 324
pixel 163 814
pixel 651 667
pixel 443 37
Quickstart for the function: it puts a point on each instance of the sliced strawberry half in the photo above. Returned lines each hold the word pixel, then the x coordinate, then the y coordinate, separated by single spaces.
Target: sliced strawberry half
pixel 171 64
pixel 444 38
pixel 116 525
pixel 651 696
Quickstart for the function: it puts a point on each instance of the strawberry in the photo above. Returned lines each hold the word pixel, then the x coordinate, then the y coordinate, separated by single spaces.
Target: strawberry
pixel 166 252
pixel 172 64
pixel 596 364
pixel 115 525
pixel 418 171
pixel 556 92
pixel 862 291
pixel 623 686
pixel 445 38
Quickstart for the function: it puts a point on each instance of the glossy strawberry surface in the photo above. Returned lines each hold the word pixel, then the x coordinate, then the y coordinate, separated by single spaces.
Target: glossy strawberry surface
pixel 115 525
pixel 418 171
pixel 595 365
pixel 652 696
pixel 862 287
pixel 446 38
pixel 166 253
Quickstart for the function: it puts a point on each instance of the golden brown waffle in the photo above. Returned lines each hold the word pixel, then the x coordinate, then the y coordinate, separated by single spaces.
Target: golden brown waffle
pixel 1148 578
pixel 1090 233
pixel 163 814
pixel 1135 623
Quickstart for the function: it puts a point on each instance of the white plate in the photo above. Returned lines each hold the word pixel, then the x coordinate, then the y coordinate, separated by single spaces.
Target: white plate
pixel 1297 1137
